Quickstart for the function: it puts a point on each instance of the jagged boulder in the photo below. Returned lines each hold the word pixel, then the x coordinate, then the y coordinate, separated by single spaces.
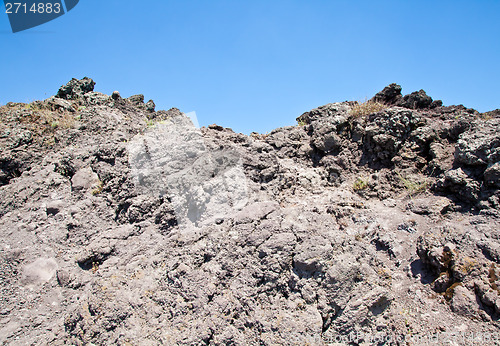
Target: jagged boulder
pixel 386 132
pixel 136 99
pixel 325 112
pixel 416 100
pixel 492 175
pixel 75 88
pixel 390 95
pixel 480 145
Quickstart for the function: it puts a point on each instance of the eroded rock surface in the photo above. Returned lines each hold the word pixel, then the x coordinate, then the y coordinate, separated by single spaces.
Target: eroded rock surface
pixel 377 227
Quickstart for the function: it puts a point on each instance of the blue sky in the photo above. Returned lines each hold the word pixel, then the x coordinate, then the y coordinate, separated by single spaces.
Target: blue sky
pixel 257 65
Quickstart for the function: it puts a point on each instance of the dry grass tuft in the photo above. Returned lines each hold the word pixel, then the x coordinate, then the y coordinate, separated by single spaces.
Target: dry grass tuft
pixel 360 184
pixel 366 108
pixel 39 119
pixel 413 187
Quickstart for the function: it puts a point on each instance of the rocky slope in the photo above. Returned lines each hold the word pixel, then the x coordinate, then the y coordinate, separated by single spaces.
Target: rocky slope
pixel 125 225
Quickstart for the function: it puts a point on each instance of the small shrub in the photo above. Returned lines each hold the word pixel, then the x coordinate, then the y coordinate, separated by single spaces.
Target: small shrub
pixel 360 184
pixel 56 120
pixel 468 265
pixel 34 106
pixel 98 189
pixel 450 291
pixel 384 274
pixel 95 267
pixel 366 108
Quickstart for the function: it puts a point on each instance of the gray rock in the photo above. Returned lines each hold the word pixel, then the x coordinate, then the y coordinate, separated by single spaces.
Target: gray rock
pixel 416 100
pixel 76 88
pixel 325 137
pixel 464 302
pixel 96 99
pixel 492 175
pixel 390 95
pixel 136 99
pixel 254 212
pixel 150 106
pixel 480 145
pixel 312 255
pixel 116 95
pixel 84 179
pixel 59 103
pixel 324 112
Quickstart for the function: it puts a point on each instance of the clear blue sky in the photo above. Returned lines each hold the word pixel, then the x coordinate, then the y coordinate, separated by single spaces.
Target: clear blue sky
pixel 257 65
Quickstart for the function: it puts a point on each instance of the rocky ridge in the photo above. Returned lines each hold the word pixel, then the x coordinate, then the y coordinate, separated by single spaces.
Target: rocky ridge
pixel 380 228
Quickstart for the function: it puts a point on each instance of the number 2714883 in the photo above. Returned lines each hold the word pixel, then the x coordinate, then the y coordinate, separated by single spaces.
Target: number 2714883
pixel 41 7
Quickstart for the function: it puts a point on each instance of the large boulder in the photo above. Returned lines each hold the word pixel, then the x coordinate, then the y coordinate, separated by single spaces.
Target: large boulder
pixel 75 88
pixel 391 95
pixel 416 100
pixel 387 131
pixel 492 175
pixel 480 145
pixel 326 111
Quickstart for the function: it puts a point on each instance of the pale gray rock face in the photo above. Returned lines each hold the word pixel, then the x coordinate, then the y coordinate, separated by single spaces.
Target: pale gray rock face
pixel 203 185
pixel 84 179
pixel 131 226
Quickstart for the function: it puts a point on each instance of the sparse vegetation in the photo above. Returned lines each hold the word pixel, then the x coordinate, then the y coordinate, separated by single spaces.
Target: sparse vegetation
pixel 468 265
pixel 95 267
pixel 384 274
pixel 366 108
pixel 324 210
pixel 98 189
pixel 154 122
pixel 301 123
pixel 38 118
pixel 58 120
pixel 413 187
pixel 360 184
pixel 450 291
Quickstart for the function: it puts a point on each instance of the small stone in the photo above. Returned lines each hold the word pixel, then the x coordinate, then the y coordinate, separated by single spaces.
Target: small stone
pixel 63 278
pixel 54 207
pixel 115 95
pixel 84 179
pixel 150 106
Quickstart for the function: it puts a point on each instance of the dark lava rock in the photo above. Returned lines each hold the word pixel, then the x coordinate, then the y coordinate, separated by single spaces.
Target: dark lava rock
pixel 390 95
pixel 416 100
pixel 75 88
